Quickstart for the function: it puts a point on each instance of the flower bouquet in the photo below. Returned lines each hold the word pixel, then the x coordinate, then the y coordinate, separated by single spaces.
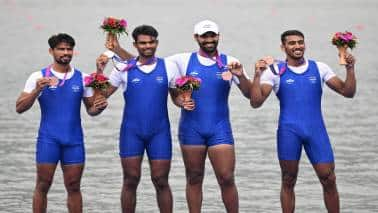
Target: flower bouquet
pixel 342 41
pixel 114 27
pixel 186 85
pixel 98 82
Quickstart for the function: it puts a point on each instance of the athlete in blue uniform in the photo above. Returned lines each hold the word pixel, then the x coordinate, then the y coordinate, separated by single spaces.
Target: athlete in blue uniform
pixel 205 127
pixel 59 89
pixel 145 125
pixel 298 85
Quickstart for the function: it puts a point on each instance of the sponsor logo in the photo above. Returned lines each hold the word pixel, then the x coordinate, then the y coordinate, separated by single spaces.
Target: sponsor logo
pixel 193 73
pixel 290 81
pixel 75 88
pixel 219 75
pixel 135 81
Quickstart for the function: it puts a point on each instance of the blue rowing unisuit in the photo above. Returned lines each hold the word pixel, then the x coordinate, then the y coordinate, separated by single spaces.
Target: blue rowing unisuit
pixel 145 123
pixel 301 122
pixel 60 127
pixel 208 124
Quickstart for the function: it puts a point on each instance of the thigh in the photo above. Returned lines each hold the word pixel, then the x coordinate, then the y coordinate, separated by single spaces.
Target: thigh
pixel 222 134
pixel 222 158
pixel 73 154
pixel 289 170
pixel 324 169
pixel 131 167
pixel 318 147
pixel 45 172
pixel 194 158
pixel 159 146
pixel 72 174
pixel 289 144
pixel 48 151
pixel 130 144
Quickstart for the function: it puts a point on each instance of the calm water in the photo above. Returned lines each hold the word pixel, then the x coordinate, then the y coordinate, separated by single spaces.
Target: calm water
pixel 249 30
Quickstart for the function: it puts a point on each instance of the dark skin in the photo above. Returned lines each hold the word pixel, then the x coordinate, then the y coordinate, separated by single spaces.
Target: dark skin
pixel 294 47
pixel 146 46
pixel 72 173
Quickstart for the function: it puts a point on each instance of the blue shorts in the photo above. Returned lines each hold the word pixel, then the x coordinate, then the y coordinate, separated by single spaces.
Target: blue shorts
pixel 52 151
pixel 316 144
pixel 158 145
pixel 189 134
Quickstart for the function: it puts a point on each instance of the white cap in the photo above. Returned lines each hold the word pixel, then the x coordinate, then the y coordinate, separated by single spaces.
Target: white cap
pixel 206 26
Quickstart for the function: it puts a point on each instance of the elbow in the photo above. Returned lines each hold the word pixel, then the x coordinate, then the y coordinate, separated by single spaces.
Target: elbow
pixel 350 95
pixel 19 109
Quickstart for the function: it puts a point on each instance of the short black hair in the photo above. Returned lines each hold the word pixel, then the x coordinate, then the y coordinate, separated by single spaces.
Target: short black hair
pixel 290 33
pixel 54 40
pixel 145 30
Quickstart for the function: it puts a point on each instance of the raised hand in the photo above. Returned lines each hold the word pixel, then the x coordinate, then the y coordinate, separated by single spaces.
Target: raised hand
pixel 260 66
pixel 42 83
pixel 101 62
pixel 112 43
pixel 350 60
pixel 236 68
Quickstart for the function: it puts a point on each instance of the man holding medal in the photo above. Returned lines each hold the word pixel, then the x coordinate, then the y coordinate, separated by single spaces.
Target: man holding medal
pixel 205 127
pixel 298 84
pixel 145 81
pixel 60 90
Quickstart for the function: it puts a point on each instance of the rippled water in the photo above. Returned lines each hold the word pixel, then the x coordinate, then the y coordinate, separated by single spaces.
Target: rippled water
pixel 249 29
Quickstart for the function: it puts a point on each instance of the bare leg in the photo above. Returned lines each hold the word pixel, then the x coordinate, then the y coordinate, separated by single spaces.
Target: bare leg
pixel 131 176
pixel 327 177
pixel 289 173
pixel 72 177
pixel 194 160
pixel 222 158
pixel 159 176
pixel 45 175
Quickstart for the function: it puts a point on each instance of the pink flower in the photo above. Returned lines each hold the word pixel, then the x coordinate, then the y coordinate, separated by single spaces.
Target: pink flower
pixel 88 80
pixel 123 23
pixel 181 81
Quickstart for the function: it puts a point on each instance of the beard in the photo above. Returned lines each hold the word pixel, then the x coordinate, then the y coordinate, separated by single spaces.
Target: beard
pixel 147 54
pixel 65 60
pixel 209 49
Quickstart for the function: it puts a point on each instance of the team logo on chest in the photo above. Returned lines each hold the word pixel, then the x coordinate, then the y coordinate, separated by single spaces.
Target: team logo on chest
pixel 159 79
pixel 312 79
pixel 75 88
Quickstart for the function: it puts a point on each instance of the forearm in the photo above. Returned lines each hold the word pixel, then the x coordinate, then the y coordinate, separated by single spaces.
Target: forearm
pixel 175 97
pixel 26 101
pixel 256 96
pixel 92 111
pixel 245 85
pixel 123 53
pixel 350 83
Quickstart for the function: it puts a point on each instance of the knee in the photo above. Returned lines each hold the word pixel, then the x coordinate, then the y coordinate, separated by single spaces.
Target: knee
pixel 328 181
pixel 131 181
pixel 289 180
pixel 160 182
pixel 226 180
pixel 73 186
pixel 194 177
pixel 43 184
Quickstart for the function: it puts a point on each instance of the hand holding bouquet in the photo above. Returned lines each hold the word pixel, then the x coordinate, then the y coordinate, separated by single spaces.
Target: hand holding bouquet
pixel 98 82
pixel 186 85
pixel 114 28
pixel 342 41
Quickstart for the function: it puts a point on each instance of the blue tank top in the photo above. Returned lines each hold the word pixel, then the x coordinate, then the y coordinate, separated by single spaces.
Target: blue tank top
pixel 60 110
pixel 211 99
pixel 300 98
pixel 146 100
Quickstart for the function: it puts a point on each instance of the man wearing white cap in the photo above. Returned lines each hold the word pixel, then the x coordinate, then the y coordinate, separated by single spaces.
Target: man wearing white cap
pixel 205 129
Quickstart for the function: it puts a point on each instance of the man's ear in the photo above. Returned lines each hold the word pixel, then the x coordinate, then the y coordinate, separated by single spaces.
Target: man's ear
pixel 50 51
pixel 282 47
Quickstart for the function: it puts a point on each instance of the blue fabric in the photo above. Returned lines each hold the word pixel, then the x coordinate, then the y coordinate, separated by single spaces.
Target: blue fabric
pixel 145 123
pixel 301 122
pixel 60 127
pixel 209 123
